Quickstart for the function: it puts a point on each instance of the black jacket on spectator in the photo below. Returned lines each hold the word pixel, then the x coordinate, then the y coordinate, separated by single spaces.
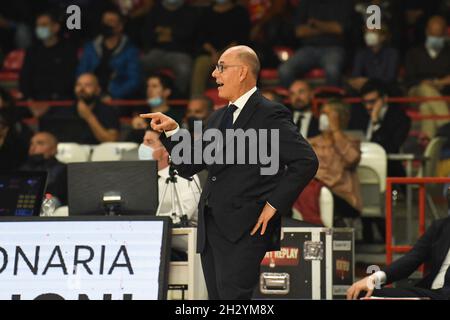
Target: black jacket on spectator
pixel 420 66
pixel 326 10
pixel 14 150
pixel 221 29
pixel 382 65
pixel 106 115
pixel 431 249
pixel 391 135
pixel 181 23
pixel 49 73
pixel 56 176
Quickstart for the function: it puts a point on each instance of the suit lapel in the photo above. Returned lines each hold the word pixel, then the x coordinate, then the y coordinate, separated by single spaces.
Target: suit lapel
pixel 240 123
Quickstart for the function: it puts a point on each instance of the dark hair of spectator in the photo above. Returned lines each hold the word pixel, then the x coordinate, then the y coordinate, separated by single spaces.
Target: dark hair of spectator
pixel 117 12
pixel 52 15
pixel 373 85
pixel 165 80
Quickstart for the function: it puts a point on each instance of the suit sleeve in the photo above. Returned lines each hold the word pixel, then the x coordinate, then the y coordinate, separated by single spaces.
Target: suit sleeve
pixel 296 156
pixel 420 253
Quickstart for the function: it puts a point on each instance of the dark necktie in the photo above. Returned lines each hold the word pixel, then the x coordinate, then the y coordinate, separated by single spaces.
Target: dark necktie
pixel 227 120
pixel 298 123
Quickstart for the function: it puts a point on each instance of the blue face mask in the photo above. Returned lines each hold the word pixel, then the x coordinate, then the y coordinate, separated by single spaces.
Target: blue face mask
pixel 155 102
pixel 145 152
pixel 43 33
pixel 435 43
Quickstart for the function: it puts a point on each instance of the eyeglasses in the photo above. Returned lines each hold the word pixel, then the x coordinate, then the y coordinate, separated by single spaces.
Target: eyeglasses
pixel 222 67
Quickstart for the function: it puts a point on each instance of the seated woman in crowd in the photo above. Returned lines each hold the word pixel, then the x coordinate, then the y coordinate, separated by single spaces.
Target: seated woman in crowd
pixel 338 157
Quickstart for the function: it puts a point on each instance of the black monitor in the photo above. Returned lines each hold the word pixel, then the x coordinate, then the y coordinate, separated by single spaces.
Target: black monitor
pixel 113 188
pixel 21 193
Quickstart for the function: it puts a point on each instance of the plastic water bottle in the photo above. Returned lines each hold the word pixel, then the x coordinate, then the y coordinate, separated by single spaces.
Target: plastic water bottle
pixel 48 206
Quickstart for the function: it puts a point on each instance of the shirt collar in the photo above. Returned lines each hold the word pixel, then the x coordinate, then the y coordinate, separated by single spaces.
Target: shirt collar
pixel 242 100
pixel 164 173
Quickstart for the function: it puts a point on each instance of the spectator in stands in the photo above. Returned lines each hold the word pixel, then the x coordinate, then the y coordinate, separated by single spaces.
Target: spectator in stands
pixel 376 61
pixel 13 148
pixel 300 96
pixel 42 157
pixel 433 250
pixel 15 25
pixel 48 72
pixel 218 33
pixel 102 121
pixel 135 13
pixel 199 109
pixel 113 59
pixel 7 102
pixel 159 90
pixel 152 149
pixel 168 37
pixel 338 157
pixel 388 125
pixel 321 26
pixel 428 73
pixel 266 17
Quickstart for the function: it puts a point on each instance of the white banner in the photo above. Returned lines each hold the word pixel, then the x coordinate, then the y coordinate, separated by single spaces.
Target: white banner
pixel 80 259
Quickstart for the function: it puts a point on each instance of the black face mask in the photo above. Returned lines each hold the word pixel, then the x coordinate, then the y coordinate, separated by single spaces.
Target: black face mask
pixel 89 100
pixel 36 159
pixel 106 31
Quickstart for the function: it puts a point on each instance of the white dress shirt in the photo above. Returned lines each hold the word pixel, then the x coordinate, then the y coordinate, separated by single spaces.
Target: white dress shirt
pixel 241 101
pixel 189 193
pixel 374 127
pixel 438 282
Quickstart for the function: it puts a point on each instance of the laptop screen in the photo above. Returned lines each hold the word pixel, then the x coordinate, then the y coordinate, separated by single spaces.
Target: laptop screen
pixel 21 193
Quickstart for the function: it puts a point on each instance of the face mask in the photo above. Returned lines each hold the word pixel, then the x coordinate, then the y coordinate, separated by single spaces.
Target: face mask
pixel 155 102
pixel 36 159
pixel 89 100
pixel 145 152
pixel 372 39
pixel 106 31
pixel 324 122
pixel 43 33
pixel 435 43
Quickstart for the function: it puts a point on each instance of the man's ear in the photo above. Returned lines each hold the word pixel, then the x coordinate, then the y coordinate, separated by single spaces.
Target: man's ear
pixel 244 73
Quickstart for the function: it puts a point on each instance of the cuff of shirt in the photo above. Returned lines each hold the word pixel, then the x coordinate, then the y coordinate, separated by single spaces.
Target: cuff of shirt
pixel 271 206
pixel 380 277
pixel 171 132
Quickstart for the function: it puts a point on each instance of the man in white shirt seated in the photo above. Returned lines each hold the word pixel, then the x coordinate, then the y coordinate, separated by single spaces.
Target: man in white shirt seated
pixel 433 249
pixel 189 190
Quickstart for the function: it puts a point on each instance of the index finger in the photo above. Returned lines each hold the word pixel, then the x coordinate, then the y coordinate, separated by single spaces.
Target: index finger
pixel 149 115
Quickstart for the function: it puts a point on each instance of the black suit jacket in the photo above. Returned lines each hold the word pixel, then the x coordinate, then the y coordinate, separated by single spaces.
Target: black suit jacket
pixel 237 193
pixel 431 249
pixel 313 127
pixel 391 135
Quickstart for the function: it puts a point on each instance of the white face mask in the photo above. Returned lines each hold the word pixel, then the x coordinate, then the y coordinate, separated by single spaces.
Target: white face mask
pixel 324 123
pixel 145 152
pixel 372 39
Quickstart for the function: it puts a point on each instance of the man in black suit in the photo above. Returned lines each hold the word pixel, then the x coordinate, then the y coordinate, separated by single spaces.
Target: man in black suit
pixel 300 96
pixel 388 125
pixel 433 249
pixel 238 200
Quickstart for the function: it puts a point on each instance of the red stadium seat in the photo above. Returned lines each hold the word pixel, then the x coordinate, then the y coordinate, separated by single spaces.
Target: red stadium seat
pixel 12 65
pixel 315 74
